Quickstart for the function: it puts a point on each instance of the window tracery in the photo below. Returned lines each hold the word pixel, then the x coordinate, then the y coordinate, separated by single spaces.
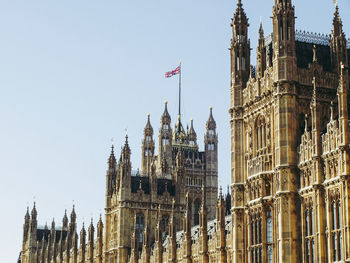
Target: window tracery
pixel 336 228
pixel 309 238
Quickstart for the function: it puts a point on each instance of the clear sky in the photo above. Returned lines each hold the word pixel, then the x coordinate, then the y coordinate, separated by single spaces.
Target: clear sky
pixel 74 74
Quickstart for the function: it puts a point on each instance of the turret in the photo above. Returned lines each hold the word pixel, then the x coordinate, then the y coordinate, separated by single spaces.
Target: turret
pixel 53 245
pixel 338 43
pixel 211 159
pixel 65 221
pixel 179 136
pixel 316 133
pixel 26 226
pixel 240 53
pixel 192 136
pixel 99 240
pixel 33 226
pixel 172 236
pixel 91 242
pixel 82 244
pixel 211 139
pixel 221 237
pixel 147 148
pixel 343 90
pixel 187 231
pixel 134 244
pixel 73 219
pixel 75 247
pixel 261 54
pixel 146 239
pixel 111 175
pixel 203 229
pixel 284 40
pixel 165 135
pixel 158 239
pixel 125 168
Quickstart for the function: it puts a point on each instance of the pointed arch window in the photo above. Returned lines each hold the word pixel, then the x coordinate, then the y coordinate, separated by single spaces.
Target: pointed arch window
pixel 196 204
pixel 261 136
pixel 140 226
pixel 336 233
pixel 309 238
pixel 269 238
pixel 256 237
pixel 165 141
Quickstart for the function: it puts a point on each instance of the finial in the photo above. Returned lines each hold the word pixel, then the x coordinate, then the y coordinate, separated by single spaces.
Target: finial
pixel 332 110
pixel 173 204
pixel 335 3
pixel 306 118
pixel 148 115
pixel 220 192
pixel 314 54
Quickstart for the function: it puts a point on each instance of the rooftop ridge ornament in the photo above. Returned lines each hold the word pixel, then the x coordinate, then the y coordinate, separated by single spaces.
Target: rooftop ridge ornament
pixel 308 37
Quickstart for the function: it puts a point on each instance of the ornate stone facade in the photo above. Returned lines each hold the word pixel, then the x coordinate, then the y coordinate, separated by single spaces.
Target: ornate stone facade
pixel 290 168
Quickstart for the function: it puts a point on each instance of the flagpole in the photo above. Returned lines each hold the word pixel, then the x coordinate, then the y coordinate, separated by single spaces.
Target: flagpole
pixel 180 91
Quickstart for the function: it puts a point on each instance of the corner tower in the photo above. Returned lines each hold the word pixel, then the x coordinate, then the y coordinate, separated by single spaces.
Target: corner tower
pixel 240 69
pixel 284 57
pixel 147 148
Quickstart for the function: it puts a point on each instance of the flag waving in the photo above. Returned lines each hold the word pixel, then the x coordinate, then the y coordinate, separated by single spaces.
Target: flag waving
pixel 173 72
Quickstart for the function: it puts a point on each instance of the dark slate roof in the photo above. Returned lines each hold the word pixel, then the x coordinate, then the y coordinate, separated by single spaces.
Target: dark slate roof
pixel 189 153
pixel 161 183
pixel 305 55
pixel 305 42
pixel 45 232
pixel 135 184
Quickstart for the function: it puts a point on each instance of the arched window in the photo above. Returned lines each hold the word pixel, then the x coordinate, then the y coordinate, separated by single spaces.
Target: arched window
pixel 256 238
pixel 334 215
pixel 164 224
pixel 260 135
pixel 309 233
pixel 269 235
pixel 337 238
pixel 140 226
pixel 197 205
pixel 165 141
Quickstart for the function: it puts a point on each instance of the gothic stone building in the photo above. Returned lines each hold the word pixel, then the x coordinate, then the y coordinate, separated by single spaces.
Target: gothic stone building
pixel 290 168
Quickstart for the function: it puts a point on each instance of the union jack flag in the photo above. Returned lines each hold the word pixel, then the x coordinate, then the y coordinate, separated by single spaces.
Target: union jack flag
pixel 173 72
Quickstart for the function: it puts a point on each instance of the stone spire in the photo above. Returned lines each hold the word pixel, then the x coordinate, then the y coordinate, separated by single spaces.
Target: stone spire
pixel 261 54
pixel 99 240
pixel 192 135
pixel 112 163
pixel 158 251
pixel 172 235
pixel 65 220
pixel 82 243
pixel 343 90
pixel 91 242
pixel 338 43
pixel 125 156
pixel 148 146
pixel 203 229
pixel 187 231
pixel 240 48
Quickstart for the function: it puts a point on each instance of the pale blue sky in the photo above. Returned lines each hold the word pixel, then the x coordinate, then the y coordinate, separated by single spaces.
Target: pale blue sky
pixel 74 74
